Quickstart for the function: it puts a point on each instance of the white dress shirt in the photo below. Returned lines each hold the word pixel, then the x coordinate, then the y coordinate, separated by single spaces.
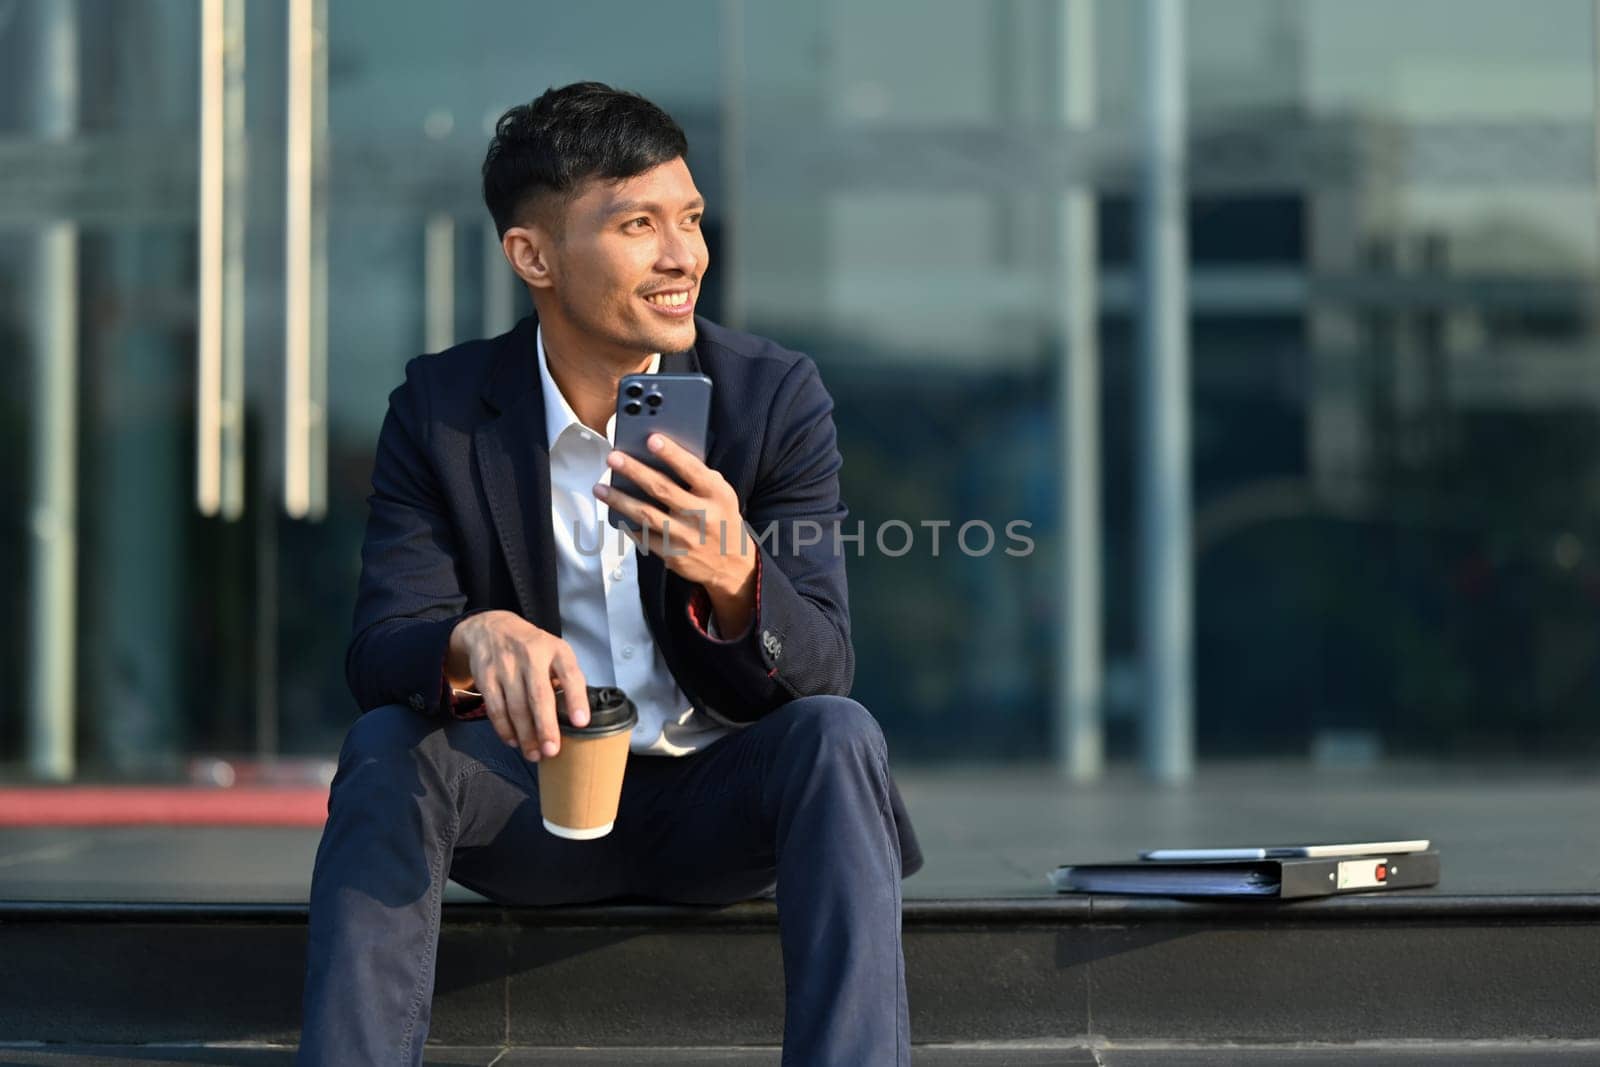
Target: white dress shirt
pixel 598 591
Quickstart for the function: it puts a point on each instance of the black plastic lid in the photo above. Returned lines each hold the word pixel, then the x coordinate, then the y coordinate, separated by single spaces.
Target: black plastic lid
pixel 610 712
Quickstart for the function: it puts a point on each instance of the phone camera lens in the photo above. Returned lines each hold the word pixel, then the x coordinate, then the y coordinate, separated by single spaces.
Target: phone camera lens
pixel 631 408
pixel 654 400
pixel 635 390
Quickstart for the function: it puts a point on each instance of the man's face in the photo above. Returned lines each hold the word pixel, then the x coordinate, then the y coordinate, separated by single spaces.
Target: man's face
pixel 626 269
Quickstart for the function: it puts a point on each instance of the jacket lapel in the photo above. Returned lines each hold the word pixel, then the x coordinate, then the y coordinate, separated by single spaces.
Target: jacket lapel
pixel 513 456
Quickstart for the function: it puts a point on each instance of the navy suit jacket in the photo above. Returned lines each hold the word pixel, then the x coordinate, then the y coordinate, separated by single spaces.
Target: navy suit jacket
pixel 460 521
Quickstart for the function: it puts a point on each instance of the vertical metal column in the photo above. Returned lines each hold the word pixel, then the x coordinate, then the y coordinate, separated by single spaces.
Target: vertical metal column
pixel 1594 75
pixel 53 514
pixel 219 410
pixel 305 449
pixel 1166 626
pixel 1080 739
pixel 439 283
pixel 732 148
pixel 499 298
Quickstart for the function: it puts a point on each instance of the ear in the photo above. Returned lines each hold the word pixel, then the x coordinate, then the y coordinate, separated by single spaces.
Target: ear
pixel 527 249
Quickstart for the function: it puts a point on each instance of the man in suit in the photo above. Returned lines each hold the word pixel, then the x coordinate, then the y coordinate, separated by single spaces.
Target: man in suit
pixel 484 608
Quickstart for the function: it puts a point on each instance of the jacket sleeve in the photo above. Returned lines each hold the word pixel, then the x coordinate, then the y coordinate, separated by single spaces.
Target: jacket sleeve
pixel 798 643
pixel 409 597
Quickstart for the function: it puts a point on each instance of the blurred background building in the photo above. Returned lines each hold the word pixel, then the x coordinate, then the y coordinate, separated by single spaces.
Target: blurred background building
pixel 225 226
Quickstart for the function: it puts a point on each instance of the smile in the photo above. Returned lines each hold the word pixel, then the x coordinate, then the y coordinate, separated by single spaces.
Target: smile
pixel 675 304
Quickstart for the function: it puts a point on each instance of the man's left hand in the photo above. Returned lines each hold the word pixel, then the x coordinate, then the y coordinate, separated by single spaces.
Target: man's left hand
pixel 698 532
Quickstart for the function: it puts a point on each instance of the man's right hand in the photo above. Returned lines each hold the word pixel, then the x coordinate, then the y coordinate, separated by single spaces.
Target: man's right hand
pixel 516 667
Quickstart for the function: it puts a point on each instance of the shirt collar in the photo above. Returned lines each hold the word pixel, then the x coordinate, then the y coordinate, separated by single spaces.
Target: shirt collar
pixel 558 414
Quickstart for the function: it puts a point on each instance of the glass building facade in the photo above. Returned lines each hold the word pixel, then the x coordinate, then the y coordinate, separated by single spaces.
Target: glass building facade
pixel 223 231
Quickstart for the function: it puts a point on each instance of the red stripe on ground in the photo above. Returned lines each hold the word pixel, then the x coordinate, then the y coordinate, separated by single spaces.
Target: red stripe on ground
pixel 163 806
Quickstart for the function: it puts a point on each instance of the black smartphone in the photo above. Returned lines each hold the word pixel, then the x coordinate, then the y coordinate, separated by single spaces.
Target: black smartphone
pixel 677 405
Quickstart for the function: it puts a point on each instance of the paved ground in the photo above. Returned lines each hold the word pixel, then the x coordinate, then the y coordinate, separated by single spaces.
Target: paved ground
pixel 986 833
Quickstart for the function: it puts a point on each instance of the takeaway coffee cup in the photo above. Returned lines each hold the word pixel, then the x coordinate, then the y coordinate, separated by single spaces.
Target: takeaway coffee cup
pixel 581 786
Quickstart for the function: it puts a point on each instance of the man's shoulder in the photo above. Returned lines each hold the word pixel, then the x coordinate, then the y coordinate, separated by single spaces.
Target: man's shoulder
pixel 461 369
pixel 746 353
pixel 762 390
pixel 464 384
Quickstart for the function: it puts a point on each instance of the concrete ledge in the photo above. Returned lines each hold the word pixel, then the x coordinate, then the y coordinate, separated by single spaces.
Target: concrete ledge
pixel 1046 910
pixel 1066 969
pixel 976 1054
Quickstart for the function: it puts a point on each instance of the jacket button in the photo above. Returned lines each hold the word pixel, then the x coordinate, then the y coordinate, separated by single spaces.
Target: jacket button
pixel 417 703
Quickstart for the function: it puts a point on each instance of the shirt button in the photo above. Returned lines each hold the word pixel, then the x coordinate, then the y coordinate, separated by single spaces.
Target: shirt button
pixel 627 651
pixel 616 575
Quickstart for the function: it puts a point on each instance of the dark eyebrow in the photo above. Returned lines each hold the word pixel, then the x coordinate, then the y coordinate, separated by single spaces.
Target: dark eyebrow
pixel 625 207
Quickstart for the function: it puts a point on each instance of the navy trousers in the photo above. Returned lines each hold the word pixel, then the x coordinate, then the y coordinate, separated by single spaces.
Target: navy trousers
pixel 799 800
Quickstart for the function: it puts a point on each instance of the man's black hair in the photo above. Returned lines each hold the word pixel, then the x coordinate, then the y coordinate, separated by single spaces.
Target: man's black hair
pixel 545 149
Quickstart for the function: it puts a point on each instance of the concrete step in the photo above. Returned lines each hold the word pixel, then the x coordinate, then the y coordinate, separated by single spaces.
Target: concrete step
pixel 1387 1054
pixel 1065 970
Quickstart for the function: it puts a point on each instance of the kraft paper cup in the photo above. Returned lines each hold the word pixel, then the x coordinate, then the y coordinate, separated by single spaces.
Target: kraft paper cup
pixel 581 786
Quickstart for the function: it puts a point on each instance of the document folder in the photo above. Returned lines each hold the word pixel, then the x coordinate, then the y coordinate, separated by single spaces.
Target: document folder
pixel 1279 879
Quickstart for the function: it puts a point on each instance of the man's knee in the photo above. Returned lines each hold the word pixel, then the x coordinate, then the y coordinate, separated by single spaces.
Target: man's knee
pixel 385 733
pixel 388 809
pixel 836 725
pixel 394 747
